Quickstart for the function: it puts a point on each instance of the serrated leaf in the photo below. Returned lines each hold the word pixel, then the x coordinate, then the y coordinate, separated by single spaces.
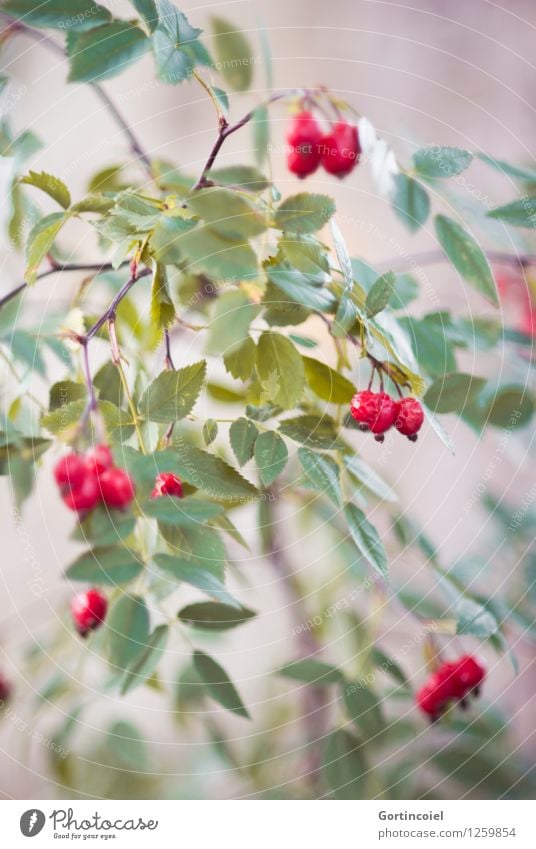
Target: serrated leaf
pixel 327 383
pixel 65 392
pixel 243 176
pixel 240 360
pixel 52 186
pixel 127 626
pixel 466 256
pixel 380 294
pixel 198 573
pixel 309 670
pixel 59 14
pixel 347 311
pixel 312 431
pixel 298 288
pixel 452 392
pixel 147 660
pixel 441 162
pixel 40 241
pixel 218 684
pixel 162 308
pixel 104 51
pixel 242 435
pixel 229 213
pixel 367 476
pixel 173 394
pixel 231 317
pixel 410 202
pixel 210 431
pixel 182 511
pixel 214 616
pixel 304 213
pixel 147 9
pixel 366 538
pixel 110 566
pixel 344 765
pixel 118 423
pixel 519 213
pixel 271 456
pixel 322 473
pixel 280 369
pixel 233 53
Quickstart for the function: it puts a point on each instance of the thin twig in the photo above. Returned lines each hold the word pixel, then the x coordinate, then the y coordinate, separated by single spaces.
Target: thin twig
pixel 56 268
pixel 406 263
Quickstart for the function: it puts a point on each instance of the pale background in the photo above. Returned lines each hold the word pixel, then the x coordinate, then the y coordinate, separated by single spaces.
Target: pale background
pixel 425 71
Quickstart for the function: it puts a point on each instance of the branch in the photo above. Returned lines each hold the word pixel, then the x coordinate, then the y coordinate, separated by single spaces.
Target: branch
pixel 51 45
pixel 406 263
pixel 74 266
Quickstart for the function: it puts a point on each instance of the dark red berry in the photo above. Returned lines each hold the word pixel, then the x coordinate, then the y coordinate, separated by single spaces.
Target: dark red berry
pixel 304 138
pixel 99 459
pixel 470 673
pixel 5 690
pixel 340 150
pixel 374 410
pixel 360 407
pixel 84 497
pixel 167 483
pixel 88 610
pixel 70 471
pixel 409 417
pixel 116 487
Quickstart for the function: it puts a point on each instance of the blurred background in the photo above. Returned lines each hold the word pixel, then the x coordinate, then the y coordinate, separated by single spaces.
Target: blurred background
pixel 424 72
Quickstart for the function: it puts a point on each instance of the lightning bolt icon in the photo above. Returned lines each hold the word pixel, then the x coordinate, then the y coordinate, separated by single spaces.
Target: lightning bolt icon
pixel 32 822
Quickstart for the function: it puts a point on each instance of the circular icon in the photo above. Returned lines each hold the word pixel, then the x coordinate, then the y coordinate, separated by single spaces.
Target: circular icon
pixel 32 822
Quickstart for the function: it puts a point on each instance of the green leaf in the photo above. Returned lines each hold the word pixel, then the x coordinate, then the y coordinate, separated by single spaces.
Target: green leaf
pixel 473 618
pixel 240 176
pixel 280 369
pixel 519 213
pixel 127 626
pixel 271 456
pixel 104 527
pixel 327 383
pixel 147 660
pixel 312 671
pixel 509 407
pixel 162 309
pixel 452 392
pixel 65 392
pixel 196 572
pixel 218 684
pixel 108 383
pixel 109 566
pixel 182 511
pixel 466 256
pixel 363 707
pixel 411 202
pixel 52 186
pixel 234 54
pixel 229 325
pixel 240 360
pixel 526 175
pixel 312 431
pixel 345 768
pixel 304 213
pixel 78 15
pixel 429 340
pixel 298 288
pixel 214 616
pixel 127 747
pixel 322 473
pixel 173 394
pixel 436 162
pixel 229 213
pixel 368 477
pixel 105 51
pixel 260 122
pixel 147 9
pixel 210 431
pixel 242 435
pixel 63 420
pixel 366 538
pixel 40 241
pixel 210 252
pixel 380 294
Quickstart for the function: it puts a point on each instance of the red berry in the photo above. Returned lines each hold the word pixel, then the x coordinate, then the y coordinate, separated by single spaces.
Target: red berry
pixel 469 673
pixel 409 417
pixel 374 410
pixel 99 459
pixel 84 497
pixel 304 138
pixel 116 487
pixel 70 471
pixel 435 695
pixel 88 610
pixel 5 690
pixel 167 483
pixel 340 150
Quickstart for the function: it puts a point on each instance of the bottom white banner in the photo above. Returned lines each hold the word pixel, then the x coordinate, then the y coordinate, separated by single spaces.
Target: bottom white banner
pixel 265 824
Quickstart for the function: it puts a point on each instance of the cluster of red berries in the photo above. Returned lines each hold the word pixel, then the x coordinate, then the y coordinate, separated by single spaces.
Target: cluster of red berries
pixel 89 608
pixel 85 480
pixel 5 690
pixel 338 151
pixel 378 412
pixel 452 682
